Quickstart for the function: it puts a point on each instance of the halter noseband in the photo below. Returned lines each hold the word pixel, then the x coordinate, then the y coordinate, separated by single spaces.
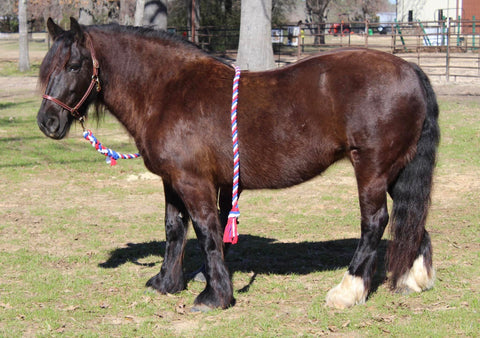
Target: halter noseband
pixel 94 83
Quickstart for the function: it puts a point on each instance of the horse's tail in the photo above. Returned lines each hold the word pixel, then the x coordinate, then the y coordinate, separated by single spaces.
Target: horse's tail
pixel 411 200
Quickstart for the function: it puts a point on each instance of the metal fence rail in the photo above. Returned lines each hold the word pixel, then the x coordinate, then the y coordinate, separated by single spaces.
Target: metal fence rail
pixel 447 49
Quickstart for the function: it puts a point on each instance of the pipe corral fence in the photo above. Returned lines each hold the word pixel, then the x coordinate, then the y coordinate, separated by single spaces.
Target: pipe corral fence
pixel 446 50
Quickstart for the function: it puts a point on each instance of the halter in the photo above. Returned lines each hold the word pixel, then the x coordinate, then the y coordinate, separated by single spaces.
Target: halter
pixel 94 83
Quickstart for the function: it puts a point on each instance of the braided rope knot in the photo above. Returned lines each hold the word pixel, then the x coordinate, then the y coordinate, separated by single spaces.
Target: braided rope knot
pixel 111 155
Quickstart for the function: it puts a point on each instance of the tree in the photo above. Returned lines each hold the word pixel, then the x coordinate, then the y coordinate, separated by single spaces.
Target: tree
pixel 139 10
pixel 316 12
pixel 23 62
pixel 255 50
pixel 85 16
pixel 152 13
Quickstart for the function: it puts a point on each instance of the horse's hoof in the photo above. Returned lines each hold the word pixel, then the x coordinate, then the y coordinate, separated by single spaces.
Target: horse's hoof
pixel 349 292
pixel 158 284
pixel 199 277
pixel 201 308
pixel 419 278
pixel 209 299
pixel 405 290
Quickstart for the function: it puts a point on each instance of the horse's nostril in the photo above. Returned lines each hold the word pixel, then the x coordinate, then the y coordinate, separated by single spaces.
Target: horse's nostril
pixel 52 125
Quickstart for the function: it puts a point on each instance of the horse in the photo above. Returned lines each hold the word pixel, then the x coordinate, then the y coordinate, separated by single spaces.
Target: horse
pixel 373 108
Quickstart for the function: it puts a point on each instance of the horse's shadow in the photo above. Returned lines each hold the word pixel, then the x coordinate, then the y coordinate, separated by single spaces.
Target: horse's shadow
pixel 259 255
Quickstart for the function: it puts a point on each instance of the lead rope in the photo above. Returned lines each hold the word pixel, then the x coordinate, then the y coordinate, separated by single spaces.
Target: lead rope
pixel 111 155
pixel 231 232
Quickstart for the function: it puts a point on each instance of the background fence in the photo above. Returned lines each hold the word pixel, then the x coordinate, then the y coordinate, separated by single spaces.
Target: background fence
pixel 447 50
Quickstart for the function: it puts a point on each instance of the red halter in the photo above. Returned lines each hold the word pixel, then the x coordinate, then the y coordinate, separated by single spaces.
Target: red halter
pixel 95 82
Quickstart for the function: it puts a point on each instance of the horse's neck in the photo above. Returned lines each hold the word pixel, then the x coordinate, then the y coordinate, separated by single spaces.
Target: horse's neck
pixel 136 71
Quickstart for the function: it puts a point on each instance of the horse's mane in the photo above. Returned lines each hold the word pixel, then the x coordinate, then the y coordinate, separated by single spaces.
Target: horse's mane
pixel 160 35
pixel 147 32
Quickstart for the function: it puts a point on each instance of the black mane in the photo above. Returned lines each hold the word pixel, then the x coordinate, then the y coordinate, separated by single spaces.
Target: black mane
pixel 161 35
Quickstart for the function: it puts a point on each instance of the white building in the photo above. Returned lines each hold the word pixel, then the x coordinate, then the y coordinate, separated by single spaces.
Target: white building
pixel 428 10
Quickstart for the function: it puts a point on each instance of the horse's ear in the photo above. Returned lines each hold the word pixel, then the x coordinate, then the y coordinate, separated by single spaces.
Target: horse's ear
pixel 53 29
pixel 76 30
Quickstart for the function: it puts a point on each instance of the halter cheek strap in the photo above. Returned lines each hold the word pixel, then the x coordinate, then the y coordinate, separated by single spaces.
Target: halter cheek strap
pixel 94 83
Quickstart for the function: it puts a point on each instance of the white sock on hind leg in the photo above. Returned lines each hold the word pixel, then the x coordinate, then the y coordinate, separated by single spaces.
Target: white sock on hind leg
pixel 417 278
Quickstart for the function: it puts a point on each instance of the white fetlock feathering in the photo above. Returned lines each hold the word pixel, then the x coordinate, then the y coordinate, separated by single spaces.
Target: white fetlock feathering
pixel 417 278
pixel 349 292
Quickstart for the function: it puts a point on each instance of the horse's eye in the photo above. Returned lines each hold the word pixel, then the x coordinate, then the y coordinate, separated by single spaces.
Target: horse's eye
pixel 74 67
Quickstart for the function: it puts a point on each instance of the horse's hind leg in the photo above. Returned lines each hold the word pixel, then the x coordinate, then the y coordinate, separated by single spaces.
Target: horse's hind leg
pixel 170 279
pixel 354 287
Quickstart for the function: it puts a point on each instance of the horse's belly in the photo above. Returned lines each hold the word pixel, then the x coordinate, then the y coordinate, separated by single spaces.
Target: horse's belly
pixel 278 172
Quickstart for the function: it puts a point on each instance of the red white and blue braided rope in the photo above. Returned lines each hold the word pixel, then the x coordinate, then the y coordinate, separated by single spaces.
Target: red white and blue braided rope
pixel 231 231
pixel 111 155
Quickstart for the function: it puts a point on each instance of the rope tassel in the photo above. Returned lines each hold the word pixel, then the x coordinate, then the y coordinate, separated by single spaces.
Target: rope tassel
pixel 231 231
pixel 111 155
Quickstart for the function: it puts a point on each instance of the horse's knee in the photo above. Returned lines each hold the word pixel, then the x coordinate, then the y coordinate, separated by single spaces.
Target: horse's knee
pixel 349 292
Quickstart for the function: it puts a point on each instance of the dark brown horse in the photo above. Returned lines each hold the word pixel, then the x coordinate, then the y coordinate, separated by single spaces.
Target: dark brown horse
pixel 371 107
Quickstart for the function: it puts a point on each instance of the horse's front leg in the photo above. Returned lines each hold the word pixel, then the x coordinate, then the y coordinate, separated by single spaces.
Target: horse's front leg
pixel 224 206
pixel 170 279
pixel 200 198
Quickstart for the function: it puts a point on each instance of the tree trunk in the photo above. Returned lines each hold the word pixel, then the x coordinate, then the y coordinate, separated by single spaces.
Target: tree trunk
pixel 139 10
pixel 85 16
pixel 124 13
pixel 155 14
pixel 255 50
pixel 24 63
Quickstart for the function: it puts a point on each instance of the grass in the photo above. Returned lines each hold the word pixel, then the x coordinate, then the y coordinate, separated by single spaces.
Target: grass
pixel 78 240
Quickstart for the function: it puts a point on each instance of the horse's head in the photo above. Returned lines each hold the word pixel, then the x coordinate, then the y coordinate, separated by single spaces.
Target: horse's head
pixel 67 80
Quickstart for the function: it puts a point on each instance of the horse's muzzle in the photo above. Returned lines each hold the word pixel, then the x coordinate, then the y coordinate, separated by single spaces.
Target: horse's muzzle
pixel 53 127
